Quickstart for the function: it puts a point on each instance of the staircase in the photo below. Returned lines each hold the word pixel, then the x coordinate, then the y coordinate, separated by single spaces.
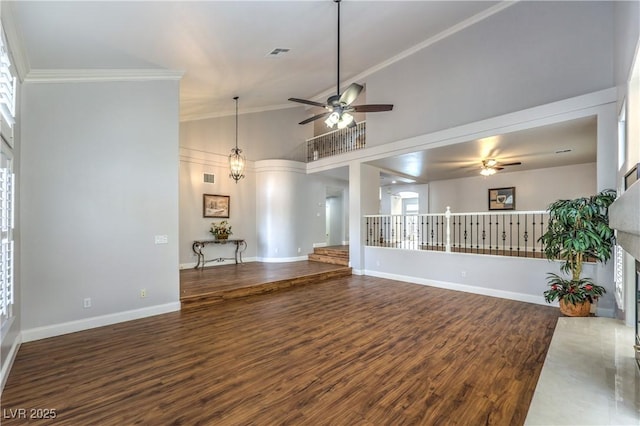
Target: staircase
pixel 336 255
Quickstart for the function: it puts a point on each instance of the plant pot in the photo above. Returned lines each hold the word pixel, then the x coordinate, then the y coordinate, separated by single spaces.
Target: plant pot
pixel 582 309
pixel 222 237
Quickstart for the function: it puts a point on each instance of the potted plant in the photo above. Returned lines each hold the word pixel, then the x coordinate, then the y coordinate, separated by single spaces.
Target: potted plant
pixel 578 231
pixel 221 230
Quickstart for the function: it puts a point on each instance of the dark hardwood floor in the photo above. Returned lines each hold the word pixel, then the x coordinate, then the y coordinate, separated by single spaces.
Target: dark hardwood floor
pixel 349 351
pixel 218 283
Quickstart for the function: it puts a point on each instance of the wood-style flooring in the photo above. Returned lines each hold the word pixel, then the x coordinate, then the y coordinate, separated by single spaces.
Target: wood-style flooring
pixel 223 282
pixel 349 351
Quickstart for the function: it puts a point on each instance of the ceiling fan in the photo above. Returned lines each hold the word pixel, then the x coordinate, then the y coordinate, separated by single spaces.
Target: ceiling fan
pixel 339 106
pixel 490 166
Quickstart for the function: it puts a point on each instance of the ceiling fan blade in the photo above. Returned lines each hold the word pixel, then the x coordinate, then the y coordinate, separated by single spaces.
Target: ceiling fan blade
pixel 304 101
pixel 350 94
pixel 372 108
pixel 517 163
pixel 315 117
pixel 498 168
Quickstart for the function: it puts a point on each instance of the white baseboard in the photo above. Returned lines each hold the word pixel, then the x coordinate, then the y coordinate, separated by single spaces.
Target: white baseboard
pixel 8 363
pixel 521 297
pixel 319 245
pixel 94 322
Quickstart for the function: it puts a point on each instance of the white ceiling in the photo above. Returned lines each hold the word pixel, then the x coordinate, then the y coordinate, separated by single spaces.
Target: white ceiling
pixel 561 144
pixel 222 48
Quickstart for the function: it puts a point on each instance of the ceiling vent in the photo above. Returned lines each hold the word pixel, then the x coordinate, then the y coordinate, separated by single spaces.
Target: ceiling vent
pixel 277 51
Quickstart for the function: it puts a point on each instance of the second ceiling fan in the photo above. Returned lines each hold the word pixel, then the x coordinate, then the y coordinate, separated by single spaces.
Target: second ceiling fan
pixel 338 107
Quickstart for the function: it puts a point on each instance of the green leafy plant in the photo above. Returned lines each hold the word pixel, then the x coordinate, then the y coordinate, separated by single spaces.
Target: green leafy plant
pixel 578 230
pixel 572 291
pixel 220 228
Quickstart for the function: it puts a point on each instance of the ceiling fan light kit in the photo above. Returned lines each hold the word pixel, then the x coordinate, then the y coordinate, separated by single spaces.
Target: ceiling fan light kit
pixel 339 106
pixel 490 166
pixel 487 171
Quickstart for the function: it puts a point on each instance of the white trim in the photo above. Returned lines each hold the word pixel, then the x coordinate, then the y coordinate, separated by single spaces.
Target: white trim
pixel 8 363
pixel 206 116
pixel 94 322
pixel 99 75
pixel 319 245
pixel 289 166
pixel 521 297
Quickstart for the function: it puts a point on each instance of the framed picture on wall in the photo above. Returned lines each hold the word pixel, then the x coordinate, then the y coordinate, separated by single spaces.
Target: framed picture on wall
pixel 215 205
pixel 502 198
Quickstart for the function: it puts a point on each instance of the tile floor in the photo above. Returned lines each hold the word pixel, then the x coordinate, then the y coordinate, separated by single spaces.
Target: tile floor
pixel 589 376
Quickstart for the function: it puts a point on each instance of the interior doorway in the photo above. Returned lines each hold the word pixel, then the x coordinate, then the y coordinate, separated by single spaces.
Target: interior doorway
pixel 335 216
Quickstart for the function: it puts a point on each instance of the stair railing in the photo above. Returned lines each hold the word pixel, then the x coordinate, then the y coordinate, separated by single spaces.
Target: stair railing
pixel 336 142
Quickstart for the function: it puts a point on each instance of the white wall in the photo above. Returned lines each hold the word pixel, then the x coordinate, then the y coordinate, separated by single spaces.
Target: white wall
pixel 535 189
pixel 265 135
pixel 627 73
pixel 242 206
pixel 98 181
pixel 507 277
pixel 290 210
pixel 531 53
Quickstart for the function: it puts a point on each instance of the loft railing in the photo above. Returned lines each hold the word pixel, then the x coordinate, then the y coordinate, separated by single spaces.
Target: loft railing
pixel 495 233
pixel 336 142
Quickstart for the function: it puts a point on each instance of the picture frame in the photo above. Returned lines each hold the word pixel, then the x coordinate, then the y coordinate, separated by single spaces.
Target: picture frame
pixel 502 198
pixel 215 205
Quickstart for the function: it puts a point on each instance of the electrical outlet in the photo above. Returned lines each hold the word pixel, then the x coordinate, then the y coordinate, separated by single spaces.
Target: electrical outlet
pixel 463 274
pixel 143 292
pixel 87 303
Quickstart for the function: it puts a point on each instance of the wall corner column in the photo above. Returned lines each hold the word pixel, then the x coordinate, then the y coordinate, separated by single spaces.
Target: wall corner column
pixel 364 198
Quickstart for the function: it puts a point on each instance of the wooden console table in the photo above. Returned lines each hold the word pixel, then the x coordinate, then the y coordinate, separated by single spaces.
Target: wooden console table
pixel 197 247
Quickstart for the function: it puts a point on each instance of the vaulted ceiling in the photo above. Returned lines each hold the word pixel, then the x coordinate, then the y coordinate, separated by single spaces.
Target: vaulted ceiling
pixel 224 49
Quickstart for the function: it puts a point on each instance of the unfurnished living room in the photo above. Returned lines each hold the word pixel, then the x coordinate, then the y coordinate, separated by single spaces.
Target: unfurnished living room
pixel 341 212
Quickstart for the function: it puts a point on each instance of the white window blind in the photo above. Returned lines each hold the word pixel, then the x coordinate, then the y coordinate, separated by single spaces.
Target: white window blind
pixel 6 251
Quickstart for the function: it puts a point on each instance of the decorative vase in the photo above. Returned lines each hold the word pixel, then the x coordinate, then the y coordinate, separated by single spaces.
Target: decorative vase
pixel 222 236
pixel 582 309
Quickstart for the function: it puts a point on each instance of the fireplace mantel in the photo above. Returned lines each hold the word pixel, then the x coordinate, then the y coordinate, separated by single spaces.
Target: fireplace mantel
pixel 624 217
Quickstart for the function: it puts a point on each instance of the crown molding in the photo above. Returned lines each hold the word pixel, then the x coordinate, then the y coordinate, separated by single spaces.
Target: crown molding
pixel 206 116
pixel 99 75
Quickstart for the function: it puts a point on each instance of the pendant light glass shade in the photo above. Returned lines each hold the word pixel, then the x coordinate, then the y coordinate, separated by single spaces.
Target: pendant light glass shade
pixel 236 159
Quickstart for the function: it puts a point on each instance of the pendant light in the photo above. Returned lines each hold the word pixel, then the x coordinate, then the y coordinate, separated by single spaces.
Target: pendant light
pixel 236 159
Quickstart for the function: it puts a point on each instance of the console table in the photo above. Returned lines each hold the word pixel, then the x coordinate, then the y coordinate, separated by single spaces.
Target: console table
pixel 197 247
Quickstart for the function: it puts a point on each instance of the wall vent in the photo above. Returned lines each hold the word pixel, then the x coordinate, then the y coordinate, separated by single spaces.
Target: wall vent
pixel 209 178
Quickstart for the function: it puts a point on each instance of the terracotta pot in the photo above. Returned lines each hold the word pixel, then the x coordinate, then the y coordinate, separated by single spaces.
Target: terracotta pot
pixel 578 310
pixel 222 236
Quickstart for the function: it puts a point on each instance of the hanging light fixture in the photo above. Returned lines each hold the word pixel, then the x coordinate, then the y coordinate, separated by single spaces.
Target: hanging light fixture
pixel 236 159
